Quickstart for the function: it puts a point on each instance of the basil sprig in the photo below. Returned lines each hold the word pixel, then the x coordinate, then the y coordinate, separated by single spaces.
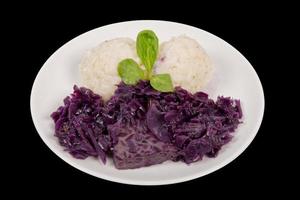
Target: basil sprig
pixel 147 47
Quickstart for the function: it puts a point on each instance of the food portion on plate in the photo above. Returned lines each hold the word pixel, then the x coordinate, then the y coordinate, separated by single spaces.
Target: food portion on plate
pixel 98 68
pixel 187 63
pixel 141 104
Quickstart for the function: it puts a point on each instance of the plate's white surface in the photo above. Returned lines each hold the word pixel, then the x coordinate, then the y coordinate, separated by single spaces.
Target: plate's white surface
pixel 234 76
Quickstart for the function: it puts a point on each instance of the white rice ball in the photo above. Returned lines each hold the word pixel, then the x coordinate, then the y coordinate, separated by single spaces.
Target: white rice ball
pixel 186 61
pixel 182 57
pixel 98 68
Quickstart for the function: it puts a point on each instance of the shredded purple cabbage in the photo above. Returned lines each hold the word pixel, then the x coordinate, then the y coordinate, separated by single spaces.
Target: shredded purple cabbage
pixel 177 125
pixel 193 123
pixel 79 125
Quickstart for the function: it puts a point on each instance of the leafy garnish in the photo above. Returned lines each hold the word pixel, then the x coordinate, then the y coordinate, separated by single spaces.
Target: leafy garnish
pixel 129 71
pixel 147 49
pixel 162 82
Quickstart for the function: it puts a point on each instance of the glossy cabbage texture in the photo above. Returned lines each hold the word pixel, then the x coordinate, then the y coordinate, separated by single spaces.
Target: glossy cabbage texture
pixel 140 126
pixel 193 123
pixel 79 125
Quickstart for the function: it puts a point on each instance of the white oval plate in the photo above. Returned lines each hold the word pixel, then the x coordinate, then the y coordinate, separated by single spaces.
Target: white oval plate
pixel 234 76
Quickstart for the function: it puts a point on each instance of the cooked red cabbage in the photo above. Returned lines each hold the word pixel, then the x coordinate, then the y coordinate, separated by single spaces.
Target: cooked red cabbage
pixel 137 147
pixel 193 123
pixel 79 125
pixel 141 126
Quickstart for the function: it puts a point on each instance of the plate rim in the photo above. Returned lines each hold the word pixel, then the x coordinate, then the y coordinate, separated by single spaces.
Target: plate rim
pixel 225 162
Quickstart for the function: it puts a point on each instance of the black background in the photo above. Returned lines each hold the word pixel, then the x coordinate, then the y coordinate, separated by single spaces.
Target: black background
pixel 40 31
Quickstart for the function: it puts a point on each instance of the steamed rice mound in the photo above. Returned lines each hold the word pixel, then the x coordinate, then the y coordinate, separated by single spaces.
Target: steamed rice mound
pixel 182 57
pixel 187 63
pixel 98 68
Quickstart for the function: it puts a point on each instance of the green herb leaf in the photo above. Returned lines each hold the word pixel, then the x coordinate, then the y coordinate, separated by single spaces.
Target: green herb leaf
pixel 162 82
pixel 130 72
pixel 147 49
